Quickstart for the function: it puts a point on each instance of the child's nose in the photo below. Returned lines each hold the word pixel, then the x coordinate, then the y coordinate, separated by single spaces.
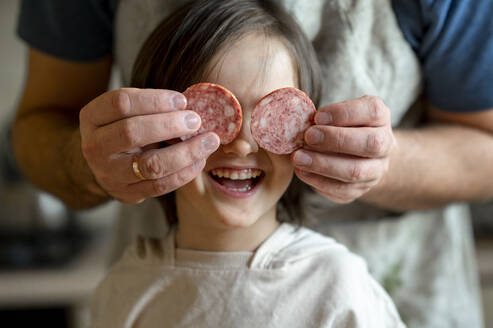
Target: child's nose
pixel 243 144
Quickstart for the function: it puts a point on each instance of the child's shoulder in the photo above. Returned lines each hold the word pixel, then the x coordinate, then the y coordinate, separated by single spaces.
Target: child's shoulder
pixel 303 246
pixel 341 278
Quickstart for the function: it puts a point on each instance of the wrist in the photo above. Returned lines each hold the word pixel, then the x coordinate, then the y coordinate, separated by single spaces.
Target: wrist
pixel 86 188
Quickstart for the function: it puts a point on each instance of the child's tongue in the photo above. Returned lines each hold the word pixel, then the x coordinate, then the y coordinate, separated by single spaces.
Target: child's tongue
pixel 235 184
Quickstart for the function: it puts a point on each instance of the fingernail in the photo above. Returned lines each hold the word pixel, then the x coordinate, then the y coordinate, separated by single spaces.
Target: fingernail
pixel 302 158
pixel 192 121
pixel 314 136
pixel 178 101
pixel 323 118
pixel 209 143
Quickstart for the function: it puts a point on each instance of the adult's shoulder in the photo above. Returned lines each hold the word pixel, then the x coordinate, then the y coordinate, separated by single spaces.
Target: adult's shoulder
pixel 453 40
pixel 78 30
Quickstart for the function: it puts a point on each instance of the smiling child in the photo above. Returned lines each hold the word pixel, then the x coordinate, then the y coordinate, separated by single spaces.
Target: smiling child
pixel 230 258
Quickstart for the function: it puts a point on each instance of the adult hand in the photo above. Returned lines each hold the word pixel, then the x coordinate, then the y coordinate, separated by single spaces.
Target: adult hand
pixel 126 124
pixel 348 149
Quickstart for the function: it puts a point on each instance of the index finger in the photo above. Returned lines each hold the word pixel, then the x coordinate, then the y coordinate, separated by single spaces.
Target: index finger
pixel 129 102
pixel 367 111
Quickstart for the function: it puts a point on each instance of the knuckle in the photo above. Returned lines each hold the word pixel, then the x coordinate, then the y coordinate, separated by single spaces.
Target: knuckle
pixel 356 172
pixel 161 186
pixel 198 165
pixel 340 140
pixel 164 186
pixel 194 151
pixel 169 122
pixel 376 108
pixel 153 167
pixel 183 177
pixel 186 154
pixel 156 102
pixel 196 156
pixel 121 102
pixel 345 113
pixel 128 132
pixel 375 143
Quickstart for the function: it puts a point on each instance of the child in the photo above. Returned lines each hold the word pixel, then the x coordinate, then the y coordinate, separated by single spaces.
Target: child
pixel 228 261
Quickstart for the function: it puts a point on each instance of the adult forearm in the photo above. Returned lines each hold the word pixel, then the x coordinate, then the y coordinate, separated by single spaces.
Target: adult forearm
pixel 436 165
pixel 47 148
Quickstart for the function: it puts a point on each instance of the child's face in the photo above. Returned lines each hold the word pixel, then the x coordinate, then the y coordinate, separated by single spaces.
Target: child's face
pixel 253 67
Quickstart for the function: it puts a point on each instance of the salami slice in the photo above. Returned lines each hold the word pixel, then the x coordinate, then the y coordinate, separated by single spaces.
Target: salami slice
pixel 280 118
pixel 218 108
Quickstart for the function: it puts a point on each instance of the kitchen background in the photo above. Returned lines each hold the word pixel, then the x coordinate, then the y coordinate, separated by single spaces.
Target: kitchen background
pixel 50 258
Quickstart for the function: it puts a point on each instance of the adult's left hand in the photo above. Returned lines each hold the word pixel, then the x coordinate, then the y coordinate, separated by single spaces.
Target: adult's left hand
pixel 347 151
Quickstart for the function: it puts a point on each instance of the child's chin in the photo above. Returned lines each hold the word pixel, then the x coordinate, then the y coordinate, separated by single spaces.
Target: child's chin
pixel 236 221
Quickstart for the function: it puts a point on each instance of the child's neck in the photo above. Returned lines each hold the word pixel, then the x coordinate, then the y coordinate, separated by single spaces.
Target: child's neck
pixel 192 235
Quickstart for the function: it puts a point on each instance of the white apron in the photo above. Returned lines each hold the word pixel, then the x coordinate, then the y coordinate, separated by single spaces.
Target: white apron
pixel 424 259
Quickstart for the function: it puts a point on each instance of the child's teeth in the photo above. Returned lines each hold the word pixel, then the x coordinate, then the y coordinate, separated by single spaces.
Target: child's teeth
pixel 237 174
pixel 247 188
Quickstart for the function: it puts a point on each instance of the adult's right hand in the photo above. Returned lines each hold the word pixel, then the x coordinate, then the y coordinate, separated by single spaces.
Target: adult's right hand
pixel 129 123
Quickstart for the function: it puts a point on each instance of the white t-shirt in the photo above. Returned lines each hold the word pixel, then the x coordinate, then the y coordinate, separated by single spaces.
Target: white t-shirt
pixel 296 278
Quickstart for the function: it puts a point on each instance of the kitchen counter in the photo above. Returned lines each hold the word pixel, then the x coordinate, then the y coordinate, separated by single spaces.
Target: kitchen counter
pixel 71 284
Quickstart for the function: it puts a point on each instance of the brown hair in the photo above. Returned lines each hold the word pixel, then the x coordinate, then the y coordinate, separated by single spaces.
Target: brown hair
pixel 178 51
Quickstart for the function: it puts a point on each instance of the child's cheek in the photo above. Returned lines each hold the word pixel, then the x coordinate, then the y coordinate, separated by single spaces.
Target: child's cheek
pixel 284 171
pixel 283 164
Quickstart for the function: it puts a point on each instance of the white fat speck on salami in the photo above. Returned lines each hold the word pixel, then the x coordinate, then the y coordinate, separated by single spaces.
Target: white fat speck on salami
pixel 218 109
pixel 280 119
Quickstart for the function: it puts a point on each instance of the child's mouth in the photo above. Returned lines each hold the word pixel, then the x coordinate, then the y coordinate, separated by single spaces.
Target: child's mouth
pixel 237 182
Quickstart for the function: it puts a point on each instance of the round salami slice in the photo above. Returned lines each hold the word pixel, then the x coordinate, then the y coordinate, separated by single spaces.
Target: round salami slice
pixel 280 119
pixel 218 108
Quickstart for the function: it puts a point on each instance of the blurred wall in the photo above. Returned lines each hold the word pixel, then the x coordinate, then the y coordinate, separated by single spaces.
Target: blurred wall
pixel 12 59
